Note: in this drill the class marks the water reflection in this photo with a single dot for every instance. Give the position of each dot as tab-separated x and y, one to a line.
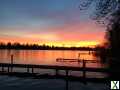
47	57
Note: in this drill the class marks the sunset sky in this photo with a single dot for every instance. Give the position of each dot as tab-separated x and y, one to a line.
52	22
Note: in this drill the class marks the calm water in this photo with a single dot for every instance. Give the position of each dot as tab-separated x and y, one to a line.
47	57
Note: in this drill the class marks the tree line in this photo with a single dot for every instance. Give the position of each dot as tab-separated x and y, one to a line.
17	45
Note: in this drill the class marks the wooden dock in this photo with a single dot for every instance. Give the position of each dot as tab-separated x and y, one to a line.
55	67
30	70
76	60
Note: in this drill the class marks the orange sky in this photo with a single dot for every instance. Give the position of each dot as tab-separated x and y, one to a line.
78	34
51	22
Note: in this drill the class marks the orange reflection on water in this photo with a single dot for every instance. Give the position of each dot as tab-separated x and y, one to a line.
46	57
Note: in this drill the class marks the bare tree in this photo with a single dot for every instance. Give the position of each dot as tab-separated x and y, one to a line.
104	9
107	12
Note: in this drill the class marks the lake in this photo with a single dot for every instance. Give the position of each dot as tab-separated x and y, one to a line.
47	57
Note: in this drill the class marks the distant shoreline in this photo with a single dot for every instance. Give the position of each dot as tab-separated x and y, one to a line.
18	46
51	49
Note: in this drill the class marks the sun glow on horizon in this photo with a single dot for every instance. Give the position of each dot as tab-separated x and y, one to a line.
62	43
72	44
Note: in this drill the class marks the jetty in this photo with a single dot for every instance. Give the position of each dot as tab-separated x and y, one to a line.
29	71
76	60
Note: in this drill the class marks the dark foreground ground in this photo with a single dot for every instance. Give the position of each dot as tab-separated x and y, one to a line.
16	83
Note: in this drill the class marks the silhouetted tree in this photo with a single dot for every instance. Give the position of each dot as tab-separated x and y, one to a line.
108	13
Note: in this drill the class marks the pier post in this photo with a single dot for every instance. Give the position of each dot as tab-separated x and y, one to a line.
66	84
66	72
84	66
84	71
27	70
2	68
8	69
57	72
11	62
32	70
66	80
89	52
